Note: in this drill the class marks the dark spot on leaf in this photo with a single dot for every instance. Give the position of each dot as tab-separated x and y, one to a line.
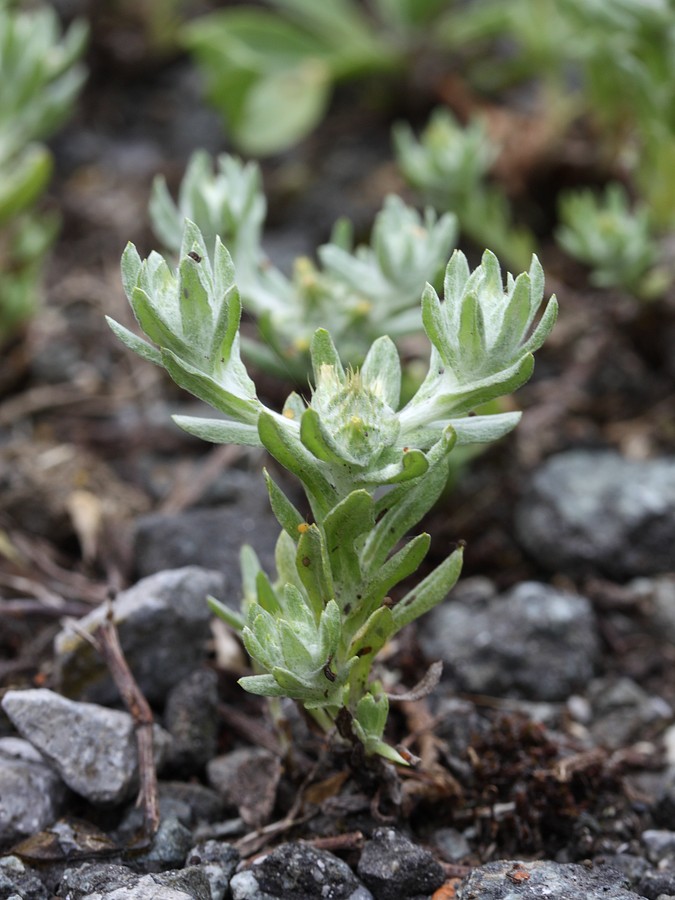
306	561
195	256
364	651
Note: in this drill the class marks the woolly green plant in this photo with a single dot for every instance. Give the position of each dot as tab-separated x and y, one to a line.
370	467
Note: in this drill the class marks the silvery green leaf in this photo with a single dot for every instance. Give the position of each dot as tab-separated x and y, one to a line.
130	266
381	371
193	297
346	522
437	327
234	619
287	450
133	342
296	608
491	273
262	685
412	464
323	353
366	643
391	573
297	655
286	514
317	441
330	630
193	241
515	320
471	337
429	592
219	431
314	569
284	560
440	399
227	306
157	328
206	388
536	274
484	429
482	391
543	329
456	276
295	687
368	723
250	566
371	714
266	598
294	407
260	648
405	505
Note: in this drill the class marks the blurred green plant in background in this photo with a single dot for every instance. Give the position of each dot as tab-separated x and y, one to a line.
610	65
449	167
358	293
271	71
40	78
616	241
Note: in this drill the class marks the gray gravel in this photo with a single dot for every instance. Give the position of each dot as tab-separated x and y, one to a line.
163	625
93	748
596	512
31	792
534	642
508	880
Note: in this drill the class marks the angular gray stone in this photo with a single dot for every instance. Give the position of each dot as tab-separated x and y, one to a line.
394	868
533	642
451	844
509	879
31	792
219	861
247	780
656	884
163	625
210	538
623	712
594	511
299	871
204	804
17	879
92	748
659	592
191	718
169	848
660	846
94	881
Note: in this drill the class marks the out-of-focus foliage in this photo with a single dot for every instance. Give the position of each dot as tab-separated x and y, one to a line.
610	62
358	293
271	71
39	79
449	166
616	241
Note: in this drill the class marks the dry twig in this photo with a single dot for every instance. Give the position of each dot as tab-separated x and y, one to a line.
106	641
